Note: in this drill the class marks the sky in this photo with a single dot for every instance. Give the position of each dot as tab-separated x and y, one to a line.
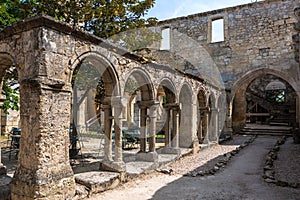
166	9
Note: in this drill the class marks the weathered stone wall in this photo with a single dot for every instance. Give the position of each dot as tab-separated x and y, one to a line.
257	35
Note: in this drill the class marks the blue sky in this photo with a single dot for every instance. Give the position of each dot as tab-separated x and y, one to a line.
166	9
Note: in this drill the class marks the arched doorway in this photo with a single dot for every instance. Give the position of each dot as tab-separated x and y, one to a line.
253	94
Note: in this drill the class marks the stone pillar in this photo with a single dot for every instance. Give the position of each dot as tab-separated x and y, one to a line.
143	128
107	132
152	130
175	133
199	133
167	127
214	128
118	104
206	126
44	170
143	155
2	167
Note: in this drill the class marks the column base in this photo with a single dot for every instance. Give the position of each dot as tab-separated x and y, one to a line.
147	156
112	166
2	170
171	150
196	146
56	183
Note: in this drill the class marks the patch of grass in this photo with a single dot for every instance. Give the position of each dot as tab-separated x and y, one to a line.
3	137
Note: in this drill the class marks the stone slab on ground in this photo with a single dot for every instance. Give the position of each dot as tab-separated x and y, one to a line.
97	181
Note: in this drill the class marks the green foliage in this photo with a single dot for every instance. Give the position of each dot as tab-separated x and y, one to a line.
9	13
10	90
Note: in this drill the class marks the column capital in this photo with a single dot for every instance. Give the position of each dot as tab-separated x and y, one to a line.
119	101
153	110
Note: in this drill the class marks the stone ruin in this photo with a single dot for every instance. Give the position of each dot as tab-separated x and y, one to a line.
209	93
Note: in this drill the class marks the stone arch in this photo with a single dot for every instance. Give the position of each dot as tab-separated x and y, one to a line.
104	67
144	83
238	98
168	85
167	101
102	101
186	116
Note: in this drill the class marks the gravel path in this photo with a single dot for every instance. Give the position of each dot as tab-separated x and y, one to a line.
241	179
288	161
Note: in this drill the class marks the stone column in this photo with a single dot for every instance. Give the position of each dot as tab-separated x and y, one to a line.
143	155
214	128
175	133
118	120
200	136
107	132
143	128
118	104
167	127
2	167
152	130
44	170
206	126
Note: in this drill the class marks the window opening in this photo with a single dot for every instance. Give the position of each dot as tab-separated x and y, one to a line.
165	41
217	30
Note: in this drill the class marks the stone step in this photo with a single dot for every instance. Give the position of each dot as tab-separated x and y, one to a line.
275	131
96	181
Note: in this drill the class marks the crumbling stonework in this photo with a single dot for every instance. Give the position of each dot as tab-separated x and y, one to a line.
257	42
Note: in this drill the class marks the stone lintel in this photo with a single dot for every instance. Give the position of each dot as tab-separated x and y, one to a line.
112	166
147	156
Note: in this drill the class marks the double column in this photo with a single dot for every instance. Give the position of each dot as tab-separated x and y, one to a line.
172	132
148	110
113	112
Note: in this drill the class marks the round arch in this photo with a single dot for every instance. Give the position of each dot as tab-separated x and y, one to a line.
144	83
238	98
169	88
104	67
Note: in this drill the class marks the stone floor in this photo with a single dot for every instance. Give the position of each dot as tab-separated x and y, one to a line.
86	165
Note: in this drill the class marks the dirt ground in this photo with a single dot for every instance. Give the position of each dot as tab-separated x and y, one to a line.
241	179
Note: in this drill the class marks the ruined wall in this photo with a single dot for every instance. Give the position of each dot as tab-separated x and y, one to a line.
257	35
